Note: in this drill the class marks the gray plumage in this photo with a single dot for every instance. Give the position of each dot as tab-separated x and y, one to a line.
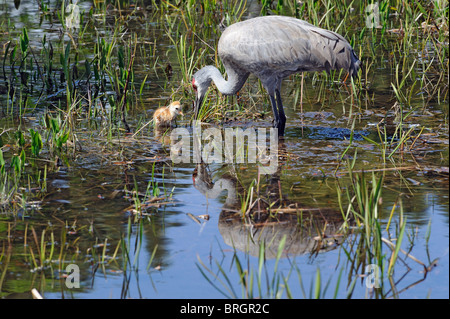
272	48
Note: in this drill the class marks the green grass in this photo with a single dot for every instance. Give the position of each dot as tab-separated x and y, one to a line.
52	89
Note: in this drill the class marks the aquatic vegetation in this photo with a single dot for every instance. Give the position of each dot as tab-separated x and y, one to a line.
76	188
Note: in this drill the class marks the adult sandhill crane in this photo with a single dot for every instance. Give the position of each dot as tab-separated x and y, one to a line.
272	48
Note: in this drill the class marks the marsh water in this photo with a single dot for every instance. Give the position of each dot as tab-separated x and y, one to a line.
139	225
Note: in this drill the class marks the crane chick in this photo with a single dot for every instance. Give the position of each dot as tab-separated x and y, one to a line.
166	114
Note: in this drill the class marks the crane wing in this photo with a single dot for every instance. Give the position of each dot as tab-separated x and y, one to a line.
280	46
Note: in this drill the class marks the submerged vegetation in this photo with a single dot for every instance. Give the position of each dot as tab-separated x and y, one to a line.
76	86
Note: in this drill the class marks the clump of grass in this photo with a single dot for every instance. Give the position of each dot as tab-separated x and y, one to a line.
372	242
152	199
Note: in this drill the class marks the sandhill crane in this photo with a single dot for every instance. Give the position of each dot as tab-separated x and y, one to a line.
272	48
166	114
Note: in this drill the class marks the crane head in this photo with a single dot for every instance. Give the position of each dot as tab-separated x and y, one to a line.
200	83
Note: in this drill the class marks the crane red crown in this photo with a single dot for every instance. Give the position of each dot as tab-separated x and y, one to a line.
193	84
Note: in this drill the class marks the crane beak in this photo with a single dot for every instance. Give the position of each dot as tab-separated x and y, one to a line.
197	105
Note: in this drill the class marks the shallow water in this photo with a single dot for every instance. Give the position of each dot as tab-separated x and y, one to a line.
90	196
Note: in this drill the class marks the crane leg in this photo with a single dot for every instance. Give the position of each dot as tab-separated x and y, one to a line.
276	119
281	115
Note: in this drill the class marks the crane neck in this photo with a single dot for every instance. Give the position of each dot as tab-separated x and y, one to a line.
235	80
221	185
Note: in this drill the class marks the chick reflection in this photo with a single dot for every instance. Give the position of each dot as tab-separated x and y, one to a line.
162	134
269	217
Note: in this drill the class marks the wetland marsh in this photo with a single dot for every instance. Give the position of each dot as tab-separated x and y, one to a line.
357	206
